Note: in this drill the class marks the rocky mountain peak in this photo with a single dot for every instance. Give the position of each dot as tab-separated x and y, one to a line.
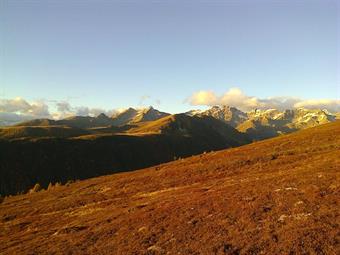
227	114
102	116
132	115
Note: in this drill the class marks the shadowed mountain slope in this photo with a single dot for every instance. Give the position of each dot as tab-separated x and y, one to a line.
205	127
52	154
74	121
278	196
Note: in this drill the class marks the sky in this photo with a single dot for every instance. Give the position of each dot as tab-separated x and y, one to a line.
84	56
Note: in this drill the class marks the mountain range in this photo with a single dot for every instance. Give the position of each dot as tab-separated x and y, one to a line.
125	117
47	151
257	124
262	124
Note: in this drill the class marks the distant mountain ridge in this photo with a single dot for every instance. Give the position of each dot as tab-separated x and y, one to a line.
128	116
132	115
300	117
257	124
262	124
227	114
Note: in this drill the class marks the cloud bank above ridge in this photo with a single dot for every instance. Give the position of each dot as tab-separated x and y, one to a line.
237	98
18	109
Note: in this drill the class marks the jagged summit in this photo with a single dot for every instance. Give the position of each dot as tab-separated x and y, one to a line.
265	123
128	116
230	115
193	112
257	123
102	116
132	115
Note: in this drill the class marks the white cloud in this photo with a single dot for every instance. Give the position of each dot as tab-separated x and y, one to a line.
16	110
329	104
86	111
64	110
19	106
235	97
204	98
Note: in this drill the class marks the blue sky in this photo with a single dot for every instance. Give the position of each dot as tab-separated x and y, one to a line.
114	54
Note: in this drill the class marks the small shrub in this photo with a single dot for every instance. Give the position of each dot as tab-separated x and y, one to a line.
57	184
50	186
69	182
36	188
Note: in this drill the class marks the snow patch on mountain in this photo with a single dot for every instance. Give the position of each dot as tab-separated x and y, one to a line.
269	122
132	115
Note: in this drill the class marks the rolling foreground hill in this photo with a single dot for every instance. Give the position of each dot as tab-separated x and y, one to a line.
50	154
279	196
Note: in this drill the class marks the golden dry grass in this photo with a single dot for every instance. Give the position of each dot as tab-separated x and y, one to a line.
279	196
22	132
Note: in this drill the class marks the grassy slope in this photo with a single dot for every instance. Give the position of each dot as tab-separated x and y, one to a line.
24	163
21	132
277	196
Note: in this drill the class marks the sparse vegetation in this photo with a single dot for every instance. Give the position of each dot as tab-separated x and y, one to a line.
50	186
57	184
214	203
36	188
69	182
